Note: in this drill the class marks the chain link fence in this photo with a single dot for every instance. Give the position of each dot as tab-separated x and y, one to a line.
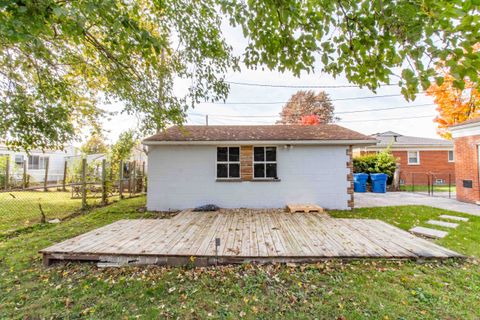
43	195
429	183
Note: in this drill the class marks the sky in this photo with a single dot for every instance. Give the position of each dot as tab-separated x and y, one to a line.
356	114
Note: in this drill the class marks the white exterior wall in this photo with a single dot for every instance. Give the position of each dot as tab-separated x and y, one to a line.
56	162
181	177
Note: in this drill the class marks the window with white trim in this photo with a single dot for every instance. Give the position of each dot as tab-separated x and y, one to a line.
19	159
451	156
413	157
228	162
265	163
37	162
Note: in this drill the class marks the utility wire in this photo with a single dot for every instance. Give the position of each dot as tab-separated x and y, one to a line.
283	102
388	119
349	121
298	86
336	113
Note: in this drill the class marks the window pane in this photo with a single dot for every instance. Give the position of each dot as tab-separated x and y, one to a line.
234	170
271	153
259	170
19	159
259	154
271	170
450	155
234	154
222	170
222	154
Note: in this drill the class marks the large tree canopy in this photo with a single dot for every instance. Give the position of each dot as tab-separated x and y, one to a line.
372	42
59	59
308	107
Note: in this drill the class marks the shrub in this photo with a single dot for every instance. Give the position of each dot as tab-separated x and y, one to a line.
382	162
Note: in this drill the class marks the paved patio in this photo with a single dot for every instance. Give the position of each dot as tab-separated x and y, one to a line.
369	199
244	236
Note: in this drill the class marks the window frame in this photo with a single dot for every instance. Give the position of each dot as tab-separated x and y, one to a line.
453	155
15	159
228	162
418	158
41	160
264	162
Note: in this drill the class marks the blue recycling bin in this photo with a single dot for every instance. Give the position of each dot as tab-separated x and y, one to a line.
379	182
360	182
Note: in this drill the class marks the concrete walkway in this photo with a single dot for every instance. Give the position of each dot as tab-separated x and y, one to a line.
369	199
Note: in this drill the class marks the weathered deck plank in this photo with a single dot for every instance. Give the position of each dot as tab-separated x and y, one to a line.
254	235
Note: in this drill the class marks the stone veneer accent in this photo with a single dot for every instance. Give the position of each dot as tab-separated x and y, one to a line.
351	202
246	163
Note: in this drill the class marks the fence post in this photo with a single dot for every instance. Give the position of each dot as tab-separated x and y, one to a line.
84	183
413	182
428	183
134	178
143	177
449	185
24	182
120	181
45	179
129	178
64	181
432	183
7	173
104	181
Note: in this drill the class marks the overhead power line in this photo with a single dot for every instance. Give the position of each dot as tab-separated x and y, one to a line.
283	102
298	86
388	119
342	121
336	113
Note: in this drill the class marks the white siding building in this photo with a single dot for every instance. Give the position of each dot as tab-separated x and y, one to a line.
36	162
251	166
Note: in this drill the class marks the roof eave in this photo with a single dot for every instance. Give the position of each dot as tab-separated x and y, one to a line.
261	142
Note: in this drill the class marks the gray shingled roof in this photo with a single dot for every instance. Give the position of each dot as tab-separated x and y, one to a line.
397	140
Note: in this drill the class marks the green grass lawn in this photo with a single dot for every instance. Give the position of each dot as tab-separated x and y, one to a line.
329	290
425	188
21	209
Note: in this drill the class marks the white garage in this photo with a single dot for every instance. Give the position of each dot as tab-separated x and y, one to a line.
251	166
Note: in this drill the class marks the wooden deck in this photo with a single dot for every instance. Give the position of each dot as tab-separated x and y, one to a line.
245	236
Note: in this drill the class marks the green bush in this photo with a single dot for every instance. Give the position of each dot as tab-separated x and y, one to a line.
382	162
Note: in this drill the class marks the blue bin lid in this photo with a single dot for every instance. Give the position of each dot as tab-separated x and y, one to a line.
360	175
378	176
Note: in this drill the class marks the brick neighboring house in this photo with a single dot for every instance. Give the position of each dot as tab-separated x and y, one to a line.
466	137
418	157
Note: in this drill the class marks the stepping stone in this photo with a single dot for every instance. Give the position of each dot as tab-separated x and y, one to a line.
446	216
429	233
443	223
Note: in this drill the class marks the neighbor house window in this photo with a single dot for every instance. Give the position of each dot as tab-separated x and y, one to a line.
451	156
228	162
37	162
265	162
19	159
413	157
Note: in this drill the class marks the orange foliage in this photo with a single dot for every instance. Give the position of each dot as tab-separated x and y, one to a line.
310	120
454	105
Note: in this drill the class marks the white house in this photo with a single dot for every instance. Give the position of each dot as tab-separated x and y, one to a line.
36	162
251	166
